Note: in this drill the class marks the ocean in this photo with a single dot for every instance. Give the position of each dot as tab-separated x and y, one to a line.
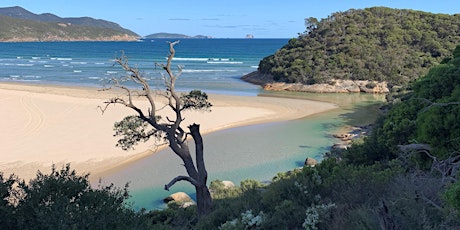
212	65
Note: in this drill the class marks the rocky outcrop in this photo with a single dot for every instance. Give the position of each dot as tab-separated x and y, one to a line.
333	86
310	162
180	198
228	184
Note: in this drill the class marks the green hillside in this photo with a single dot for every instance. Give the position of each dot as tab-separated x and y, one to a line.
376	43
12	29
21	13
18	24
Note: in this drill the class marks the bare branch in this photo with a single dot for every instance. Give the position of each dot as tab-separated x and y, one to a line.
435	103
180	178
141	127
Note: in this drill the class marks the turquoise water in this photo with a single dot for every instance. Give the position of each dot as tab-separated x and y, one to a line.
213	65
251	152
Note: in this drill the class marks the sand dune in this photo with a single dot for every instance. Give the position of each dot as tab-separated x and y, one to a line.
45	125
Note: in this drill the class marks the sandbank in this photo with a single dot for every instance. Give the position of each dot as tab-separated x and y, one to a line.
44	125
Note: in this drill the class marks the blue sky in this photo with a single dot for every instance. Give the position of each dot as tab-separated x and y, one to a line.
218	18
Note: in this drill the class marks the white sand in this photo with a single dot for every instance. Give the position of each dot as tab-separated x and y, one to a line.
45	125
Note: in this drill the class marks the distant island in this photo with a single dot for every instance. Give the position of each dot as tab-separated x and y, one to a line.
19	25
174	35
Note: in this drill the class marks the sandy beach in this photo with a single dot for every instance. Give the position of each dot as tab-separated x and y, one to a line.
44	125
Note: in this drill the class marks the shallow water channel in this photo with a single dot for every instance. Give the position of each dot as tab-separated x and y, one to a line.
250	152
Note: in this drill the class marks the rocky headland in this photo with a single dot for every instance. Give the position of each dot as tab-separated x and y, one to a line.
334	86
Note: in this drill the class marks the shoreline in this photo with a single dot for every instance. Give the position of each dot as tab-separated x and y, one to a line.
48	124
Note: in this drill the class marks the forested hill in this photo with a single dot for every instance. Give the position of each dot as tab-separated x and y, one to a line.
18	24
376	43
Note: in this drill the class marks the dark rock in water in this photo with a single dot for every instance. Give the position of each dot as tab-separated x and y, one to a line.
180	198
310	162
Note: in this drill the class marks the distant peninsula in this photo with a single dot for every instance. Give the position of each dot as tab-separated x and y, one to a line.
173	35
19	25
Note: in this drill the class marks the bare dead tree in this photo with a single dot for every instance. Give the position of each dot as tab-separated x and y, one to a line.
432	104
148	123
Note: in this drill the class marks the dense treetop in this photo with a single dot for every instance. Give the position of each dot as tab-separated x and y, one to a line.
376	43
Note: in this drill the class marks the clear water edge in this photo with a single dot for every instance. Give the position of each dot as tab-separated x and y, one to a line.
242	153
214	66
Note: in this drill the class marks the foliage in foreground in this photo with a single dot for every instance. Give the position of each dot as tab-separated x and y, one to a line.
374	184
65	200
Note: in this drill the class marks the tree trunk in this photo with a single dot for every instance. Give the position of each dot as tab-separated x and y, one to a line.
203	196
203	201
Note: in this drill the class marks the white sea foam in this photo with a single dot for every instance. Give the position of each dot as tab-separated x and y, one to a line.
79	62
32	76
225	62
35	58
77	71
21	64
207	70
190	59
64	59
48	66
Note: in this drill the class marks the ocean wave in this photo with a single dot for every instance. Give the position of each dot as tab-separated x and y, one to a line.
26	80
32	76
79	62
254	66
77	71
207	70
190	59
16	77
225	62
21	64
62	59
48	66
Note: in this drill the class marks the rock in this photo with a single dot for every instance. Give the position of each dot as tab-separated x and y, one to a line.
345	136
187	204
340	146
180	198
228	184
334	86
310	162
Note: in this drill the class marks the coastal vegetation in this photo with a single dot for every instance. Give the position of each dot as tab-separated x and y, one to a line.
378	43
18	24
404	175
